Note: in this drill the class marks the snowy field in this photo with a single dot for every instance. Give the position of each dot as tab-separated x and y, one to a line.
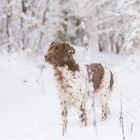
29	107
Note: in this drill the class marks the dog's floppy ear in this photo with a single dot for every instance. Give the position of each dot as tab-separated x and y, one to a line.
72	50
68	48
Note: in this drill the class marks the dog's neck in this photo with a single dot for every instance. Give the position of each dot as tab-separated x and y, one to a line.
71	65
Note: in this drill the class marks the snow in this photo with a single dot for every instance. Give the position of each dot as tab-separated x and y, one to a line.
29	106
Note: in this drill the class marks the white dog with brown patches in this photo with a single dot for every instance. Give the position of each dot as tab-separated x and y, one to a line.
74	82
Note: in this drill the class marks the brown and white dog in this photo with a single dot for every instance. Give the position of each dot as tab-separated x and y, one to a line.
74	82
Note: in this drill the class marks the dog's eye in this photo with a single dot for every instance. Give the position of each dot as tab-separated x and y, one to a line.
56	47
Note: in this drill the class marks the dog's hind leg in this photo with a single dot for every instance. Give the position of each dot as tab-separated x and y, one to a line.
103	97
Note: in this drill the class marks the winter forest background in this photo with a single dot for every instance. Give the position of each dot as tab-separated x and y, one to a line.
102	31
99	25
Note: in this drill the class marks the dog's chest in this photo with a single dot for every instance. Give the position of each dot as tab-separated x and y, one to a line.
74	83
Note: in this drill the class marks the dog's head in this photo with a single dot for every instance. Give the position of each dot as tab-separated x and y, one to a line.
59	53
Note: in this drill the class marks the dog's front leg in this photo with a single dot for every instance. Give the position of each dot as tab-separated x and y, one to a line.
83	115
64	114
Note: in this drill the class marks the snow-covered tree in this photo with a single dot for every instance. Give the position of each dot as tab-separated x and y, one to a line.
98	25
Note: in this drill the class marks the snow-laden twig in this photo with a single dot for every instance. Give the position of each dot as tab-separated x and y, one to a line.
41	75
131	127
121	118
95	119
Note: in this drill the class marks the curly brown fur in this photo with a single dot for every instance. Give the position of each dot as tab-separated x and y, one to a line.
60	54
95	73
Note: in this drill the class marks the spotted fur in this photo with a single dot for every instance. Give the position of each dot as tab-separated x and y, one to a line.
75	82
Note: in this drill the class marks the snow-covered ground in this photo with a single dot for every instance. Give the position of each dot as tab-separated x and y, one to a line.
29	107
